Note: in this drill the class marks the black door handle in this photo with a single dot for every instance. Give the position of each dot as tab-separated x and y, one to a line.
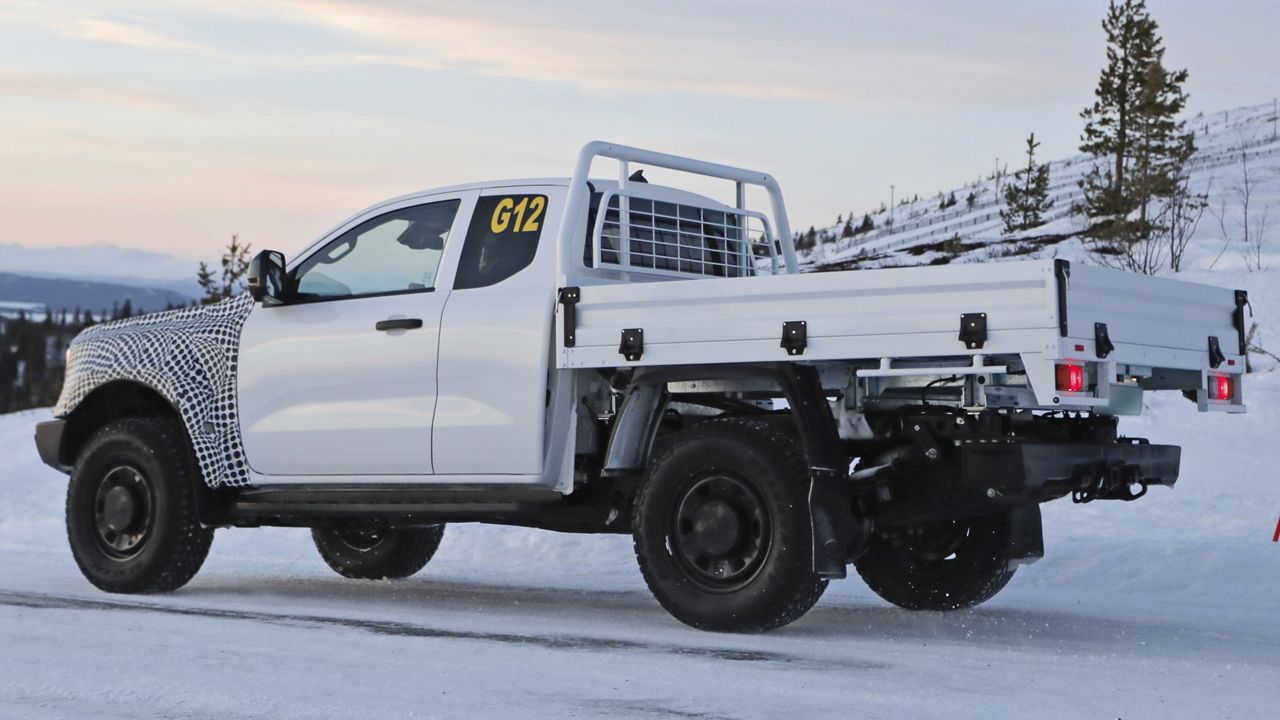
399	324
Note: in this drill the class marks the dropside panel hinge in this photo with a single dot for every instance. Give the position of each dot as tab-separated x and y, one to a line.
632	344
973	330
795	336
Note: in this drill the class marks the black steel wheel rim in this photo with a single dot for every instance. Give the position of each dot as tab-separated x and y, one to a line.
721	532
123	512
932	547
362	539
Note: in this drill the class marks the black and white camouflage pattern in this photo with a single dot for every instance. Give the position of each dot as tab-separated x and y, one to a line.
188	356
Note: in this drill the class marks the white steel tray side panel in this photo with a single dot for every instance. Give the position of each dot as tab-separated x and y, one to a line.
900	312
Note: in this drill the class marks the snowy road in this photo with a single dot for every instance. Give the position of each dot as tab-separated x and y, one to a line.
1163	608
328	648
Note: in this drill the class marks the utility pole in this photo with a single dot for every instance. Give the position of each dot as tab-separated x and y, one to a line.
1274	116
890	208
996	175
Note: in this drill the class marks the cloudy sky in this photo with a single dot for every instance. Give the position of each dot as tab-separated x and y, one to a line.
167	124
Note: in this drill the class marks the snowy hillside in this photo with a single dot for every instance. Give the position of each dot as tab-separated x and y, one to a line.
922	232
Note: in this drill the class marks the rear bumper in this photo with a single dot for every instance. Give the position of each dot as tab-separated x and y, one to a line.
1042	471
49	444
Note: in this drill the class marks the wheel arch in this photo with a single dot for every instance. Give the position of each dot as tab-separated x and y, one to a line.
110	401
635	429
119	399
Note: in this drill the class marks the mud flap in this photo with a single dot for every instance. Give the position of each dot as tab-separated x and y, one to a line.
1026	535
829	499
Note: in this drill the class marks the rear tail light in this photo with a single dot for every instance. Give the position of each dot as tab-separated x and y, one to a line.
1220	388
1071	378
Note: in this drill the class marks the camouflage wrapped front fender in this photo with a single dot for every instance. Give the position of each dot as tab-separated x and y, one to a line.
188	357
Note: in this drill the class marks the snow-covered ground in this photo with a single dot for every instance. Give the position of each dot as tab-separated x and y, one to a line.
1162	608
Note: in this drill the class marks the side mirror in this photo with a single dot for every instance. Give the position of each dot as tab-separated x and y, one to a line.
266	277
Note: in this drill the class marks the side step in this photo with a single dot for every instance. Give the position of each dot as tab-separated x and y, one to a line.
399	505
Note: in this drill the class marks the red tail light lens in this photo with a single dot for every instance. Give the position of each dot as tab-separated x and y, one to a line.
1220	388
1070	378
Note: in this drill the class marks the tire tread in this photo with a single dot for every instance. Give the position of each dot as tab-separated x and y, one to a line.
782	451
414	548
176	565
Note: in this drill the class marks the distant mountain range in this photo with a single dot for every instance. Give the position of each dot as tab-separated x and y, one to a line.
58	293
102	263
93	278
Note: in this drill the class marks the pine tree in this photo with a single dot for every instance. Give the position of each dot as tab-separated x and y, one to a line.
848	229
1027	195
235	265
1133	132
806	240
8	379
204	276
867	224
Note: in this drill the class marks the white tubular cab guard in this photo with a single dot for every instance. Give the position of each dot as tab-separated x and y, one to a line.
578	201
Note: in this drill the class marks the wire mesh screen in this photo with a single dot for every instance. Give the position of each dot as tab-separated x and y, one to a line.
672	238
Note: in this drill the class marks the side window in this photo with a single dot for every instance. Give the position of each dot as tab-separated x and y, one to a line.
502	239
393	253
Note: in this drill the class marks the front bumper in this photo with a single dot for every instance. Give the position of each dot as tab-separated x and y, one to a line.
1036	472
49	444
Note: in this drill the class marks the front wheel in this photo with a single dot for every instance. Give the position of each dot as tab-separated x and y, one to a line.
722	529
378	554
131	508
945	565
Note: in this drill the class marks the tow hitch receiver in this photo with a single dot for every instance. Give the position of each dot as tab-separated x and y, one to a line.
1036	472
1114	482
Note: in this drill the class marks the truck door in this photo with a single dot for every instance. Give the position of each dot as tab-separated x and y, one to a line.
341	380
495	337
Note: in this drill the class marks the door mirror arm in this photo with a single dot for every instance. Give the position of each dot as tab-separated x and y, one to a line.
266	279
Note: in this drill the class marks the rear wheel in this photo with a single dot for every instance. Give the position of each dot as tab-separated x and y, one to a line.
378	554
722	528
945	565
131	513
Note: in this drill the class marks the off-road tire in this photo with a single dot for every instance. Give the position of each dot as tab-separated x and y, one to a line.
976	568
764	470
170	544
378	554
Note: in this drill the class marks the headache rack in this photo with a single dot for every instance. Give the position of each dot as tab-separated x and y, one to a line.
678	239
668	236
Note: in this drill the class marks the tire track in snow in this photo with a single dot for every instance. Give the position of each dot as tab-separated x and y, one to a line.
402	629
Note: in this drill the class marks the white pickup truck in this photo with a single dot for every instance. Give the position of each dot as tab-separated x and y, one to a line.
615	356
